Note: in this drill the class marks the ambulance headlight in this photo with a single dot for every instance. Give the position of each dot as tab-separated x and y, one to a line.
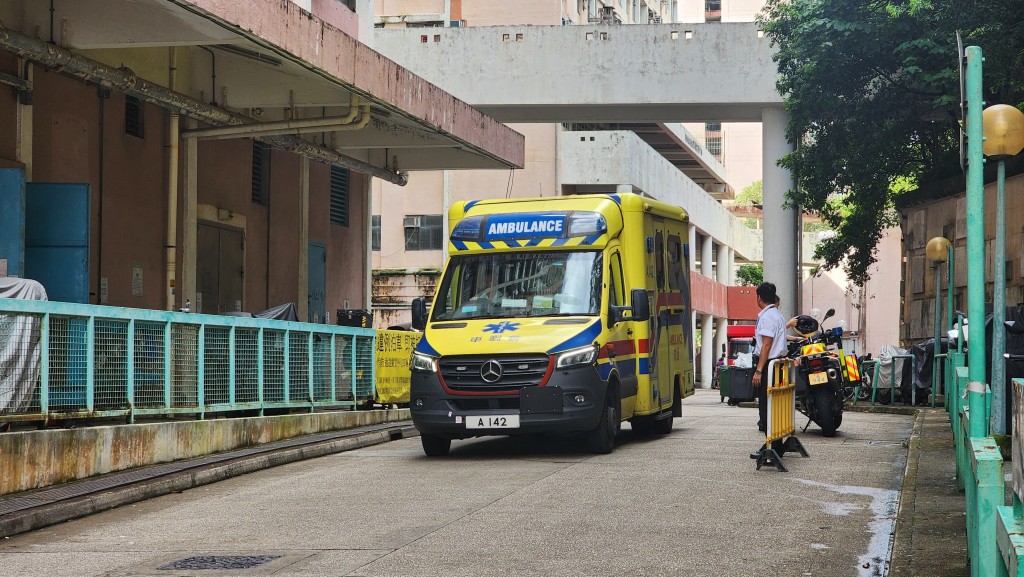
577	357
423	363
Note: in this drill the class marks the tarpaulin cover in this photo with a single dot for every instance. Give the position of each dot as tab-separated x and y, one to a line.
19	347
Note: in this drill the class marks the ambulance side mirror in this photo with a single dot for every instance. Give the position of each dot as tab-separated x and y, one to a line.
419	313
641	305
640	311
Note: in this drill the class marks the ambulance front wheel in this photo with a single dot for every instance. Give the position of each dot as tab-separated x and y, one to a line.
434	446
601	440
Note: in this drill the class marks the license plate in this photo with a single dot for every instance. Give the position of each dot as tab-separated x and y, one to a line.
818	378
492	422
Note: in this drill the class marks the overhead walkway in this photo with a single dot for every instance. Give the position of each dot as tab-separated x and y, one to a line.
657	73
719	72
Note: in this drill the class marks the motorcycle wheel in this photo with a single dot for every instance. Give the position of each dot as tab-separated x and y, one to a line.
865	388
824	412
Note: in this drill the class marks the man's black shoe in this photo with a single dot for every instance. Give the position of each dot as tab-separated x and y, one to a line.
756	454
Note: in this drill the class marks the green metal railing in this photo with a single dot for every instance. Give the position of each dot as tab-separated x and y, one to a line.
995	531
108	361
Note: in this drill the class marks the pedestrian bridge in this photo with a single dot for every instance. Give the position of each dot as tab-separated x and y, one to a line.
715	72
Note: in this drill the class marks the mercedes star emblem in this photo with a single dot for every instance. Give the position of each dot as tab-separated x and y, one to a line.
491	371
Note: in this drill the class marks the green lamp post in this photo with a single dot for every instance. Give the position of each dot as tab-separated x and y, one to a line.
1003	127
937	251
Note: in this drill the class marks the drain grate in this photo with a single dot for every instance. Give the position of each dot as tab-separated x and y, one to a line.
219	562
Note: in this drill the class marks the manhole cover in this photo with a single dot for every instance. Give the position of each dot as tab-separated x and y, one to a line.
219	562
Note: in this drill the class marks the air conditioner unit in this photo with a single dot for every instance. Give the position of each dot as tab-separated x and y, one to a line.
608	14
411	222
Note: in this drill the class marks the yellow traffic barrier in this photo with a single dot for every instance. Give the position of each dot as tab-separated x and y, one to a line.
781	426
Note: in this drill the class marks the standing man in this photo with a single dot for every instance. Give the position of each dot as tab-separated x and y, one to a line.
770	343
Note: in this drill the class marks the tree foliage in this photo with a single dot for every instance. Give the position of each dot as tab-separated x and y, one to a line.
750	274
752	194
872	91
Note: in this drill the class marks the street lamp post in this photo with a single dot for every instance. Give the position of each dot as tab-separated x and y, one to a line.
1003	127
937	251
950	277
978	423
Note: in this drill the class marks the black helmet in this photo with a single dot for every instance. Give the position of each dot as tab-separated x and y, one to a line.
806	325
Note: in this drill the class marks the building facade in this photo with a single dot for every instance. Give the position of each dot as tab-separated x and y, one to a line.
208	155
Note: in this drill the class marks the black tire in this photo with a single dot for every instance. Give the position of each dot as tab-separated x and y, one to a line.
824	412
664	426
601	440
434	446
865	388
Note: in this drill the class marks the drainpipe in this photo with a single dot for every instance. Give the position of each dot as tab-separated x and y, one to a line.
24	123
126	81
357	118
173	136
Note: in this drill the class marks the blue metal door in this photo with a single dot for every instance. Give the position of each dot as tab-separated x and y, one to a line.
12	222
57	239
317	283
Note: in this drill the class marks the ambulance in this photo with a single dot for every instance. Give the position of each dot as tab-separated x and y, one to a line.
562	315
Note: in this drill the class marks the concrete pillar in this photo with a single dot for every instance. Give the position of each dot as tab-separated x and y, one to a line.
720	335
692	251
723	272
706	245
190	222
707	350
731	260
781	226
303	289
693	247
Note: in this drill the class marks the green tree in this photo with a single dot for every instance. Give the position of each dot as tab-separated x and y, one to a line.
750	274
751	194
872	91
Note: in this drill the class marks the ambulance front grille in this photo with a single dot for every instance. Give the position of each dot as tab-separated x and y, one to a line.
517	371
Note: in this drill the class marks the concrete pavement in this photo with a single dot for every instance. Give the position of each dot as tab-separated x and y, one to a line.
687	504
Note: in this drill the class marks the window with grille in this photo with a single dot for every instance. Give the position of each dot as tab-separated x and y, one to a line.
375	232
339	195
260	172
423	232
133	121
713	10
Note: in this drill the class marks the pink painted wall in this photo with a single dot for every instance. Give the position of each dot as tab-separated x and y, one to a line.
338	15
8	111
66	148
708	296
518	13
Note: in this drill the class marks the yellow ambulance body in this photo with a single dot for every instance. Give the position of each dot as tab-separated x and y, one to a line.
566	314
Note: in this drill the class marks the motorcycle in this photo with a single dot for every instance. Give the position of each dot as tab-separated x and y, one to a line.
851	390
822	372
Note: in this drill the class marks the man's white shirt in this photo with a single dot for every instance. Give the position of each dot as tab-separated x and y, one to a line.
771	324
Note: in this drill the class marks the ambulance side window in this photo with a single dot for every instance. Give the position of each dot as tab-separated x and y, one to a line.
675	259
615	286
659	258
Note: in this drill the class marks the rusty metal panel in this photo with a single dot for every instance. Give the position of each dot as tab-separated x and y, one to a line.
917	274
960	266
961	217
916	324
918	229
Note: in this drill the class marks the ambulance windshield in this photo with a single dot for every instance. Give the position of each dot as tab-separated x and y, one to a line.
520	284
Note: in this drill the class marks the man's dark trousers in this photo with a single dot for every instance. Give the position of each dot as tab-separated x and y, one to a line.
762	404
